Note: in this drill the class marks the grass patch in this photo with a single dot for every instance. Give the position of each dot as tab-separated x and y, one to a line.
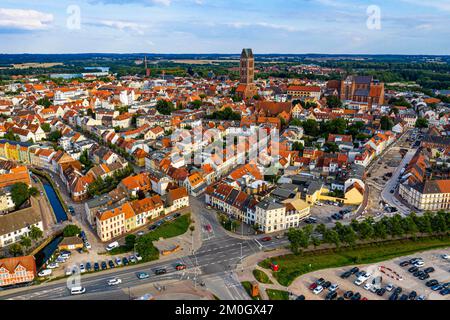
277	294
248	287
293	266
171	229
261	276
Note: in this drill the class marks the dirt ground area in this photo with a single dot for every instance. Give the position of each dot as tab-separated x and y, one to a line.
408	283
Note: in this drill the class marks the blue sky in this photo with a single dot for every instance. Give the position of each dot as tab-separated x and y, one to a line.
224	26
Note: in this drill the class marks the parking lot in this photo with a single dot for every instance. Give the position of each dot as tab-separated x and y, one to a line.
390	272
324	212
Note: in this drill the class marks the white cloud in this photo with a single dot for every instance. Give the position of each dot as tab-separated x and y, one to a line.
239	25
24	19
124	26
443	5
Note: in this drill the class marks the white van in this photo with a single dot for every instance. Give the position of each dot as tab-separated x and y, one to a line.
112	245
77	290
45	273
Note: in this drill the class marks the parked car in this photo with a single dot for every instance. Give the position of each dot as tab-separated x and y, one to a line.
431	283
300	297
445	257
320	281
429	270
140	233
138	256
114	282
112	246
318	290
111	264
88	266
404	263
413	269
118	261
356	296
104	266
424	277
394	296
96	266
404	297
132	259
444	292
152	227
87	245
333	287
326	284
266	239
346	275
45	273
389	287
412	295
82	268
331	295
348	294
381	292
53	265
125	261
398	290
354	270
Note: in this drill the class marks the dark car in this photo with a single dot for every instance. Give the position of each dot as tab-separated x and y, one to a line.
356	296
354	270
104	266
265	239
340	298
380	292
346	274
424	277
412	295
431	283
326	284
404	297
300	297
331	295
417	274
111	264
429	270
348	294
96	266
88	266
160	271
176	215
320	281
444	292
413	269
152	227
125	261
393	296
398	290
404	263
82	235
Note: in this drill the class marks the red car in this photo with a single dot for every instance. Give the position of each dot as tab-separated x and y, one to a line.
265	239
313	286
208	228
364	298
180	267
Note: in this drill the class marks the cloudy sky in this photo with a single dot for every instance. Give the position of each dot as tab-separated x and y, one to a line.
226	26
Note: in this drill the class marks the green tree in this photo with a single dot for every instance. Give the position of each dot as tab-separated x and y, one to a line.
71	230
334	102
25	241
46	127
386	123
165	107
130	241
311	127
35	233
19	194
331	147
422	123
54	136
45	101
15	249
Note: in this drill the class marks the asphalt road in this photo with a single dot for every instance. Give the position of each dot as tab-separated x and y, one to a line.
213	263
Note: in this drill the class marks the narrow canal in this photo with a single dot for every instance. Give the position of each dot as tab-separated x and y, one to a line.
43	255
58	209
